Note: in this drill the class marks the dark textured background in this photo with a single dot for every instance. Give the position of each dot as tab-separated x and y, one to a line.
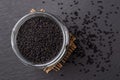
96	25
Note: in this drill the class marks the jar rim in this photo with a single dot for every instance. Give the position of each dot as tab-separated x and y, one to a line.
61	53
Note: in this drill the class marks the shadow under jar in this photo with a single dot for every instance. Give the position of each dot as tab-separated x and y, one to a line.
41	40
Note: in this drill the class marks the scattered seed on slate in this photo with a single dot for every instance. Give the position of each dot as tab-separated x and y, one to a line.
43	2
95	35
76	13
112	5
92	3
117	75
61	75
94	75
71	5
61	8
39	39
116	12
99	1
117	8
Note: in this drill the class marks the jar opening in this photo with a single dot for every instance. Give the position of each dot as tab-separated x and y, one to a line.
39	39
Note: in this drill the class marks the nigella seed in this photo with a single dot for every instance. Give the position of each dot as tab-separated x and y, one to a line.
76	13
43	2
99	1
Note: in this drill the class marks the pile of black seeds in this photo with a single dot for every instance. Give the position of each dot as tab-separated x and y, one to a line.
39	39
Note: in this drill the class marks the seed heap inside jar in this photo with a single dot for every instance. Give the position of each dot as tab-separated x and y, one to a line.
39	40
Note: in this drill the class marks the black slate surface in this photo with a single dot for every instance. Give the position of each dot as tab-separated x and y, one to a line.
96	25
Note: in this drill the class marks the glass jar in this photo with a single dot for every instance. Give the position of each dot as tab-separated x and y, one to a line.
65	44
